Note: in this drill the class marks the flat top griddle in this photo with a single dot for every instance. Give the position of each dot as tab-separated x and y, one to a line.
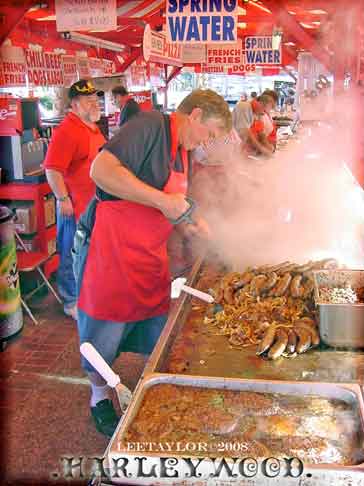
189	346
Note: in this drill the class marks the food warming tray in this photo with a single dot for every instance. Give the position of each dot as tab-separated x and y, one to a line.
312	475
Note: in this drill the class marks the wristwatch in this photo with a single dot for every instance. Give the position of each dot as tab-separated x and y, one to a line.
62	199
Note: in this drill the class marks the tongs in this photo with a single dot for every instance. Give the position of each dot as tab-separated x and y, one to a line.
111	378
186	216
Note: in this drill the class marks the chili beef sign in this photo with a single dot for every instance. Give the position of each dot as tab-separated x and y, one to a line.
12	66
44	68
70	74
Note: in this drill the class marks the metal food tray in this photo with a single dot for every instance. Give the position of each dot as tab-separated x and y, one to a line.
340	325
312	475
211	355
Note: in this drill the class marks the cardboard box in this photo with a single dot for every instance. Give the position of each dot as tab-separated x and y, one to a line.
49	210
25	217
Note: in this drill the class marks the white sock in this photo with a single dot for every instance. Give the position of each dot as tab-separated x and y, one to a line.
98	393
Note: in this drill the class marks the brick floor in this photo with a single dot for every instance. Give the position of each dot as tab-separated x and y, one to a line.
43	416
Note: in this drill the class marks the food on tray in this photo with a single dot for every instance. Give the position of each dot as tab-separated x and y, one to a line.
314	428
341	295
270	306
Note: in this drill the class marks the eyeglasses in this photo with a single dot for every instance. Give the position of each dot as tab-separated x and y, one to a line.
215	142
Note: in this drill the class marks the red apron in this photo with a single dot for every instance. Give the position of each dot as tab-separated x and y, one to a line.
127	272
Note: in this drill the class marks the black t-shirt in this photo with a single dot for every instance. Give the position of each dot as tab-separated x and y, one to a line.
130	109
143	145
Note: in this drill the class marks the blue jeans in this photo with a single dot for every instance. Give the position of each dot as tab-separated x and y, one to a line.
66	228
111	338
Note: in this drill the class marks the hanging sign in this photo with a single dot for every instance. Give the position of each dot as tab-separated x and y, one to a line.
96	67
193	53
83	15
156	75
259	51
202	21
109	67
227	58
44	68
157	49
83	67
13	66
69	66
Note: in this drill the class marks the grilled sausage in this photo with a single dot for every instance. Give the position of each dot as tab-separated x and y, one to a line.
272	279
304	340
295	287
308	287
246	278
279	345
315	337
267	340
282	285
304	268
287	269
229	295
257	284
305	320
291	342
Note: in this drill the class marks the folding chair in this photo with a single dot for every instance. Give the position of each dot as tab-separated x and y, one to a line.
28	262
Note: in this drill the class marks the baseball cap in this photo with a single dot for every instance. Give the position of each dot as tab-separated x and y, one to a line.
83	87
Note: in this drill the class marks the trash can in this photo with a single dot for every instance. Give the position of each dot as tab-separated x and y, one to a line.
11	315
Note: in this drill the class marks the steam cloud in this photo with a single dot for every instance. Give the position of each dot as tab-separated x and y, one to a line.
304	204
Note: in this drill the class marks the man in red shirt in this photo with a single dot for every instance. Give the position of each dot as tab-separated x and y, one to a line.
74	145
248	122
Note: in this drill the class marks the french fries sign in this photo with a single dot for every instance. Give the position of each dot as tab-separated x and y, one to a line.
202	21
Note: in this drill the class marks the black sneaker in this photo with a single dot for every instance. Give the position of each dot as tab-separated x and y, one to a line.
105	417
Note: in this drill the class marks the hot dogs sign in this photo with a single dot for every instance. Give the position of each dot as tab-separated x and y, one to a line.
242	58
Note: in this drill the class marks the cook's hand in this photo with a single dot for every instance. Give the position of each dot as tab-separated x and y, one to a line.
199	229
174	206
65	207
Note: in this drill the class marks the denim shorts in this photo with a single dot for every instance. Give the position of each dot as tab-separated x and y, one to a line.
111	338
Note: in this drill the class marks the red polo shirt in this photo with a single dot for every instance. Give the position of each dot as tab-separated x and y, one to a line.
73	147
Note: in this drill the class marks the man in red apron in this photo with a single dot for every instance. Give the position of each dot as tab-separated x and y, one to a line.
270	128
142	179
74	145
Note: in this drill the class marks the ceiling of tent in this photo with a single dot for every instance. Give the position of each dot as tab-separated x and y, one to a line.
308	22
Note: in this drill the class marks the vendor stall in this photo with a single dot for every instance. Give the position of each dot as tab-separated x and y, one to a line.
264	385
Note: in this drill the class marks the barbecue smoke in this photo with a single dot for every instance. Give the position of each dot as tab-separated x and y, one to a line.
303	204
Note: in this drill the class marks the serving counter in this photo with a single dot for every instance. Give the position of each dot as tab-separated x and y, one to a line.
190	355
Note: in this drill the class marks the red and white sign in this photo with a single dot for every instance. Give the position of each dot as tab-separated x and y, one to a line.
86	15
44	68
83	67
194	53
109	67
157	49
144	99
96	67
13	66
70	74
137	74
228	59
156	75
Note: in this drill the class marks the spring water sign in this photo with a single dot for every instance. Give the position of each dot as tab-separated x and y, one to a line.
259	51
202	21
